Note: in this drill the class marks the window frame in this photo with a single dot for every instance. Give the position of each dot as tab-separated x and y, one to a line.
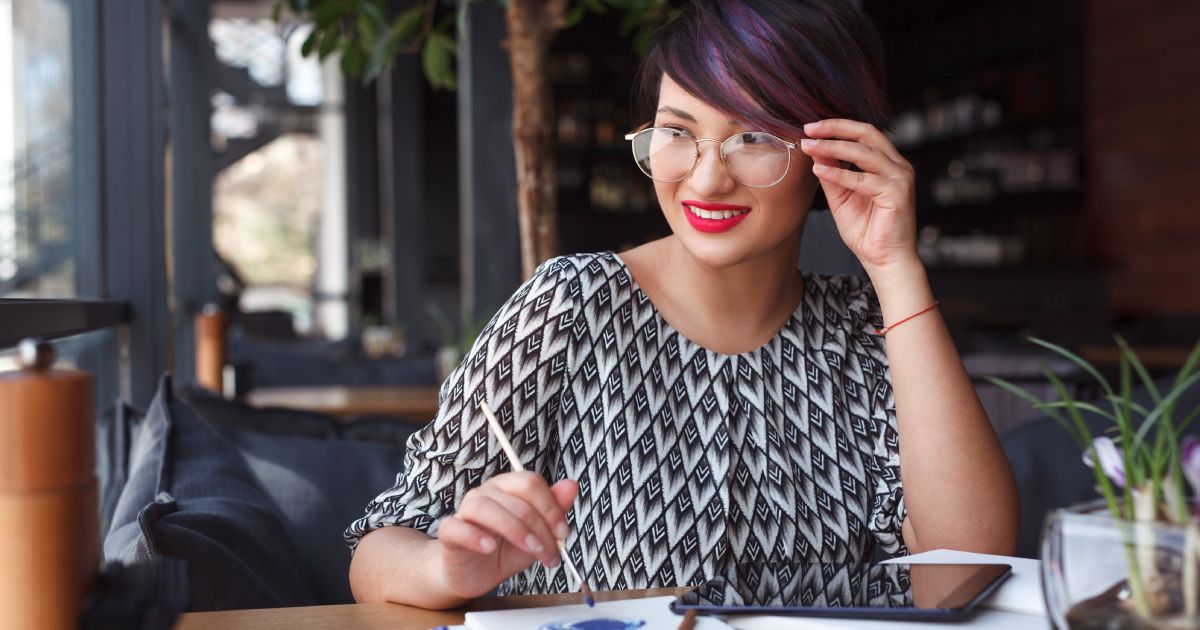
120	205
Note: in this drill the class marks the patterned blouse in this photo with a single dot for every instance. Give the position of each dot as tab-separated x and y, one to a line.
688	461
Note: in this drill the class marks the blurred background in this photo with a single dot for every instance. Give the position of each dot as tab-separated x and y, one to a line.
355	234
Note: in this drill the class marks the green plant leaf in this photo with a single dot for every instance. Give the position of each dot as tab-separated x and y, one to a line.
1168	400
1076	359
575	15
1188	420
353	60
1132	405
1134	361
1189	364
378	60
1106	487
367	33
328	13
311	42
435	59
405	26
1038	403
1081	405
373	14
329	43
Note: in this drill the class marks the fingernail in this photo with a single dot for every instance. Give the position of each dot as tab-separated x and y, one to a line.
554	561
532	544
487	545
820	168
562	530
811	126
808	142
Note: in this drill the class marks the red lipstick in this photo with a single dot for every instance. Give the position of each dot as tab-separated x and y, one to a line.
713	225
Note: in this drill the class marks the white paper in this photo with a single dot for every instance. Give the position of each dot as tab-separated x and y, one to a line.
654	611
982	620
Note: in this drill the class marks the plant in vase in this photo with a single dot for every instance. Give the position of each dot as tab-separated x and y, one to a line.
454	345
1130	560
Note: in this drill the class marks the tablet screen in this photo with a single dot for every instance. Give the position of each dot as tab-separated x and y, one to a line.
922	590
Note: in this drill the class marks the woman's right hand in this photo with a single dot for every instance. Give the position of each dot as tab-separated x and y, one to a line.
500	528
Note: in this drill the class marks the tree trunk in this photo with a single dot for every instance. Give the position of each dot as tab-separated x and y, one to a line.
532	25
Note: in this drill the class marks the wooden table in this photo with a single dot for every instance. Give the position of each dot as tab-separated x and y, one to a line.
418	403
391	616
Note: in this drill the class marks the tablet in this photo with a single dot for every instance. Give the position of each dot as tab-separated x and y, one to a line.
929	592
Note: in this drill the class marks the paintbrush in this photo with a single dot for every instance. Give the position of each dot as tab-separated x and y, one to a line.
516	465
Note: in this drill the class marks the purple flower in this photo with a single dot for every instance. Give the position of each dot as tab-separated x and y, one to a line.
1111	461
1189	461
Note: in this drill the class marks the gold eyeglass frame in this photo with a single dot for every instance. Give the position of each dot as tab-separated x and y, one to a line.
721	152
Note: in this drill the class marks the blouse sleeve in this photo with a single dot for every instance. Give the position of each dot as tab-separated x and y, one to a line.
516	365
887	507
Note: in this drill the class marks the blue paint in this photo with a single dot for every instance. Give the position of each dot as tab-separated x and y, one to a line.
590	602
595	624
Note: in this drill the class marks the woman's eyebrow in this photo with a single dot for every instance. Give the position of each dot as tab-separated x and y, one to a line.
667	109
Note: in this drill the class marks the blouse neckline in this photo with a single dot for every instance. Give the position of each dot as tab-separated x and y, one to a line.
794	318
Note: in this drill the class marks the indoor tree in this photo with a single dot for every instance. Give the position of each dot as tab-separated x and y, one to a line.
370	33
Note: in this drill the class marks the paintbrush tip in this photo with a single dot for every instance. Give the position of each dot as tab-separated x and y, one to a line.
587	595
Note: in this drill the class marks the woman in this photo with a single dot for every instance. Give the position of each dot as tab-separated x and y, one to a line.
696	401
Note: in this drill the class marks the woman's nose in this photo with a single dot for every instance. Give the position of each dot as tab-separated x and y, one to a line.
711	177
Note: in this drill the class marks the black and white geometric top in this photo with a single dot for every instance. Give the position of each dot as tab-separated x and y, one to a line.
688	460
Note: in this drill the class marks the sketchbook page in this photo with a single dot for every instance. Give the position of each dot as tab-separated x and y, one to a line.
982	620
1022	592
653	611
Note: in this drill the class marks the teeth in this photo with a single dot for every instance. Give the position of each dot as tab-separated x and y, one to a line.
716	214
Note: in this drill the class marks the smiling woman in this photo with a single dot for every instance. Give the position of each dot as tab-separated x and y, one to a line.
696	400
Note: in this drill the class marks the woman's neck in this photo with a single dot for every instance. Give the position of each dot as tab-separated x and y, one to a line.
729	309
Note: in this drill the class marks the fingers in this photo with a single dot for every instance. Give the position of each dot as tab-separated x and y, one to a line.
532	488
866	157
858	132
540	541
565	491
512	519
457	532
865	183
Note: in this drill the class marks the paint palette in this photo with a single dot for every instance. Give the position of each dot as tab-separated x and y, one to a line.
602	623
649	613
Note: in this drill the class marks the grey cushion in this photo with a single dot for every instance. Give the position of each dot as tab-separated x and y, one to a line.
190	495
319	479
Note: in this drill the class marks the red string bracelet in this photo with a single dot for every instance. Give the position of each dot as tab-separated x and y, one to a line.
883	331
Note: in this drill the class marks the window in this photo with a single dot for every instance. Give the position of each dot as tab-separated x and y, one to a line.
278	196
38	233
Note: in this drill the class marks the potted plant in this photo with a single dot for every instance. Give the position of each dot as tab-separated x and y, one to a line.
455	345
1131	559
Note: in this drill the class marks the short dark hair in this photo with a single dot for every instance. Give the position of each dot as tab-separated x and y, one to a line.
798	61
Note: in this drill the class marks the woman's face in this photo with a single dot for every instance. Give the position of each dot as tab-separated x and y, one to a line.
775	215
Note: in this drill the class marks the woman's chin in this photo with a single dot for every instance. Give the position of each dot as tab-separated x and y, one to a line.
715	252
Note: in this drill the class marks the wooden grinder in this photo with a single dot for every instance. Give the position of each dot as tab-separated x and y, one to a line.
49	532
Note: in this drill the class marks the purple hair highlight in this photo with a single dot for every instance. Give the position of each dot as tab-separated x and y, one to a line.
773	64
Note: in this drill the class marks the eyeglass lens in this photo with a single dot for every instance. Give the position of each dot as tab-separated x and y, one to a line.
753	158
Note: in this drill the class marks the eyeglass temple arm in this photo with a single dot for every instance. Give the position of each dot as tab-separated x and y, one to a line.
641	128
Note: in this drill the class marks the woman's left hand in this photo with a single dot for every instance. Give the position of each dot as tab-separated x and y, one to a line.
875	210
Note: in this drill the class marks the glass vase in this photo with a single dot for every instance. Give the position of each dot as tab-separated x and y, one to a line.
1103	572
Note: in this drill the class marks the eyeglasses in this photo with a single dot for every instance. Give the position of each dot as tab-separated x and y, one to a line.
755	159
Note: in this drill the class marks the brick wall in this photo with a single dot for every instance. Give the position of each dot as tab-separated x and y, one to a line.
1143	151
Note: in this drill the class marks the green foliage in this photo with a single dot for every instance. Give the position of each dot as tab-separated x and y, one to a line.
1147	466
369	39
452	339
